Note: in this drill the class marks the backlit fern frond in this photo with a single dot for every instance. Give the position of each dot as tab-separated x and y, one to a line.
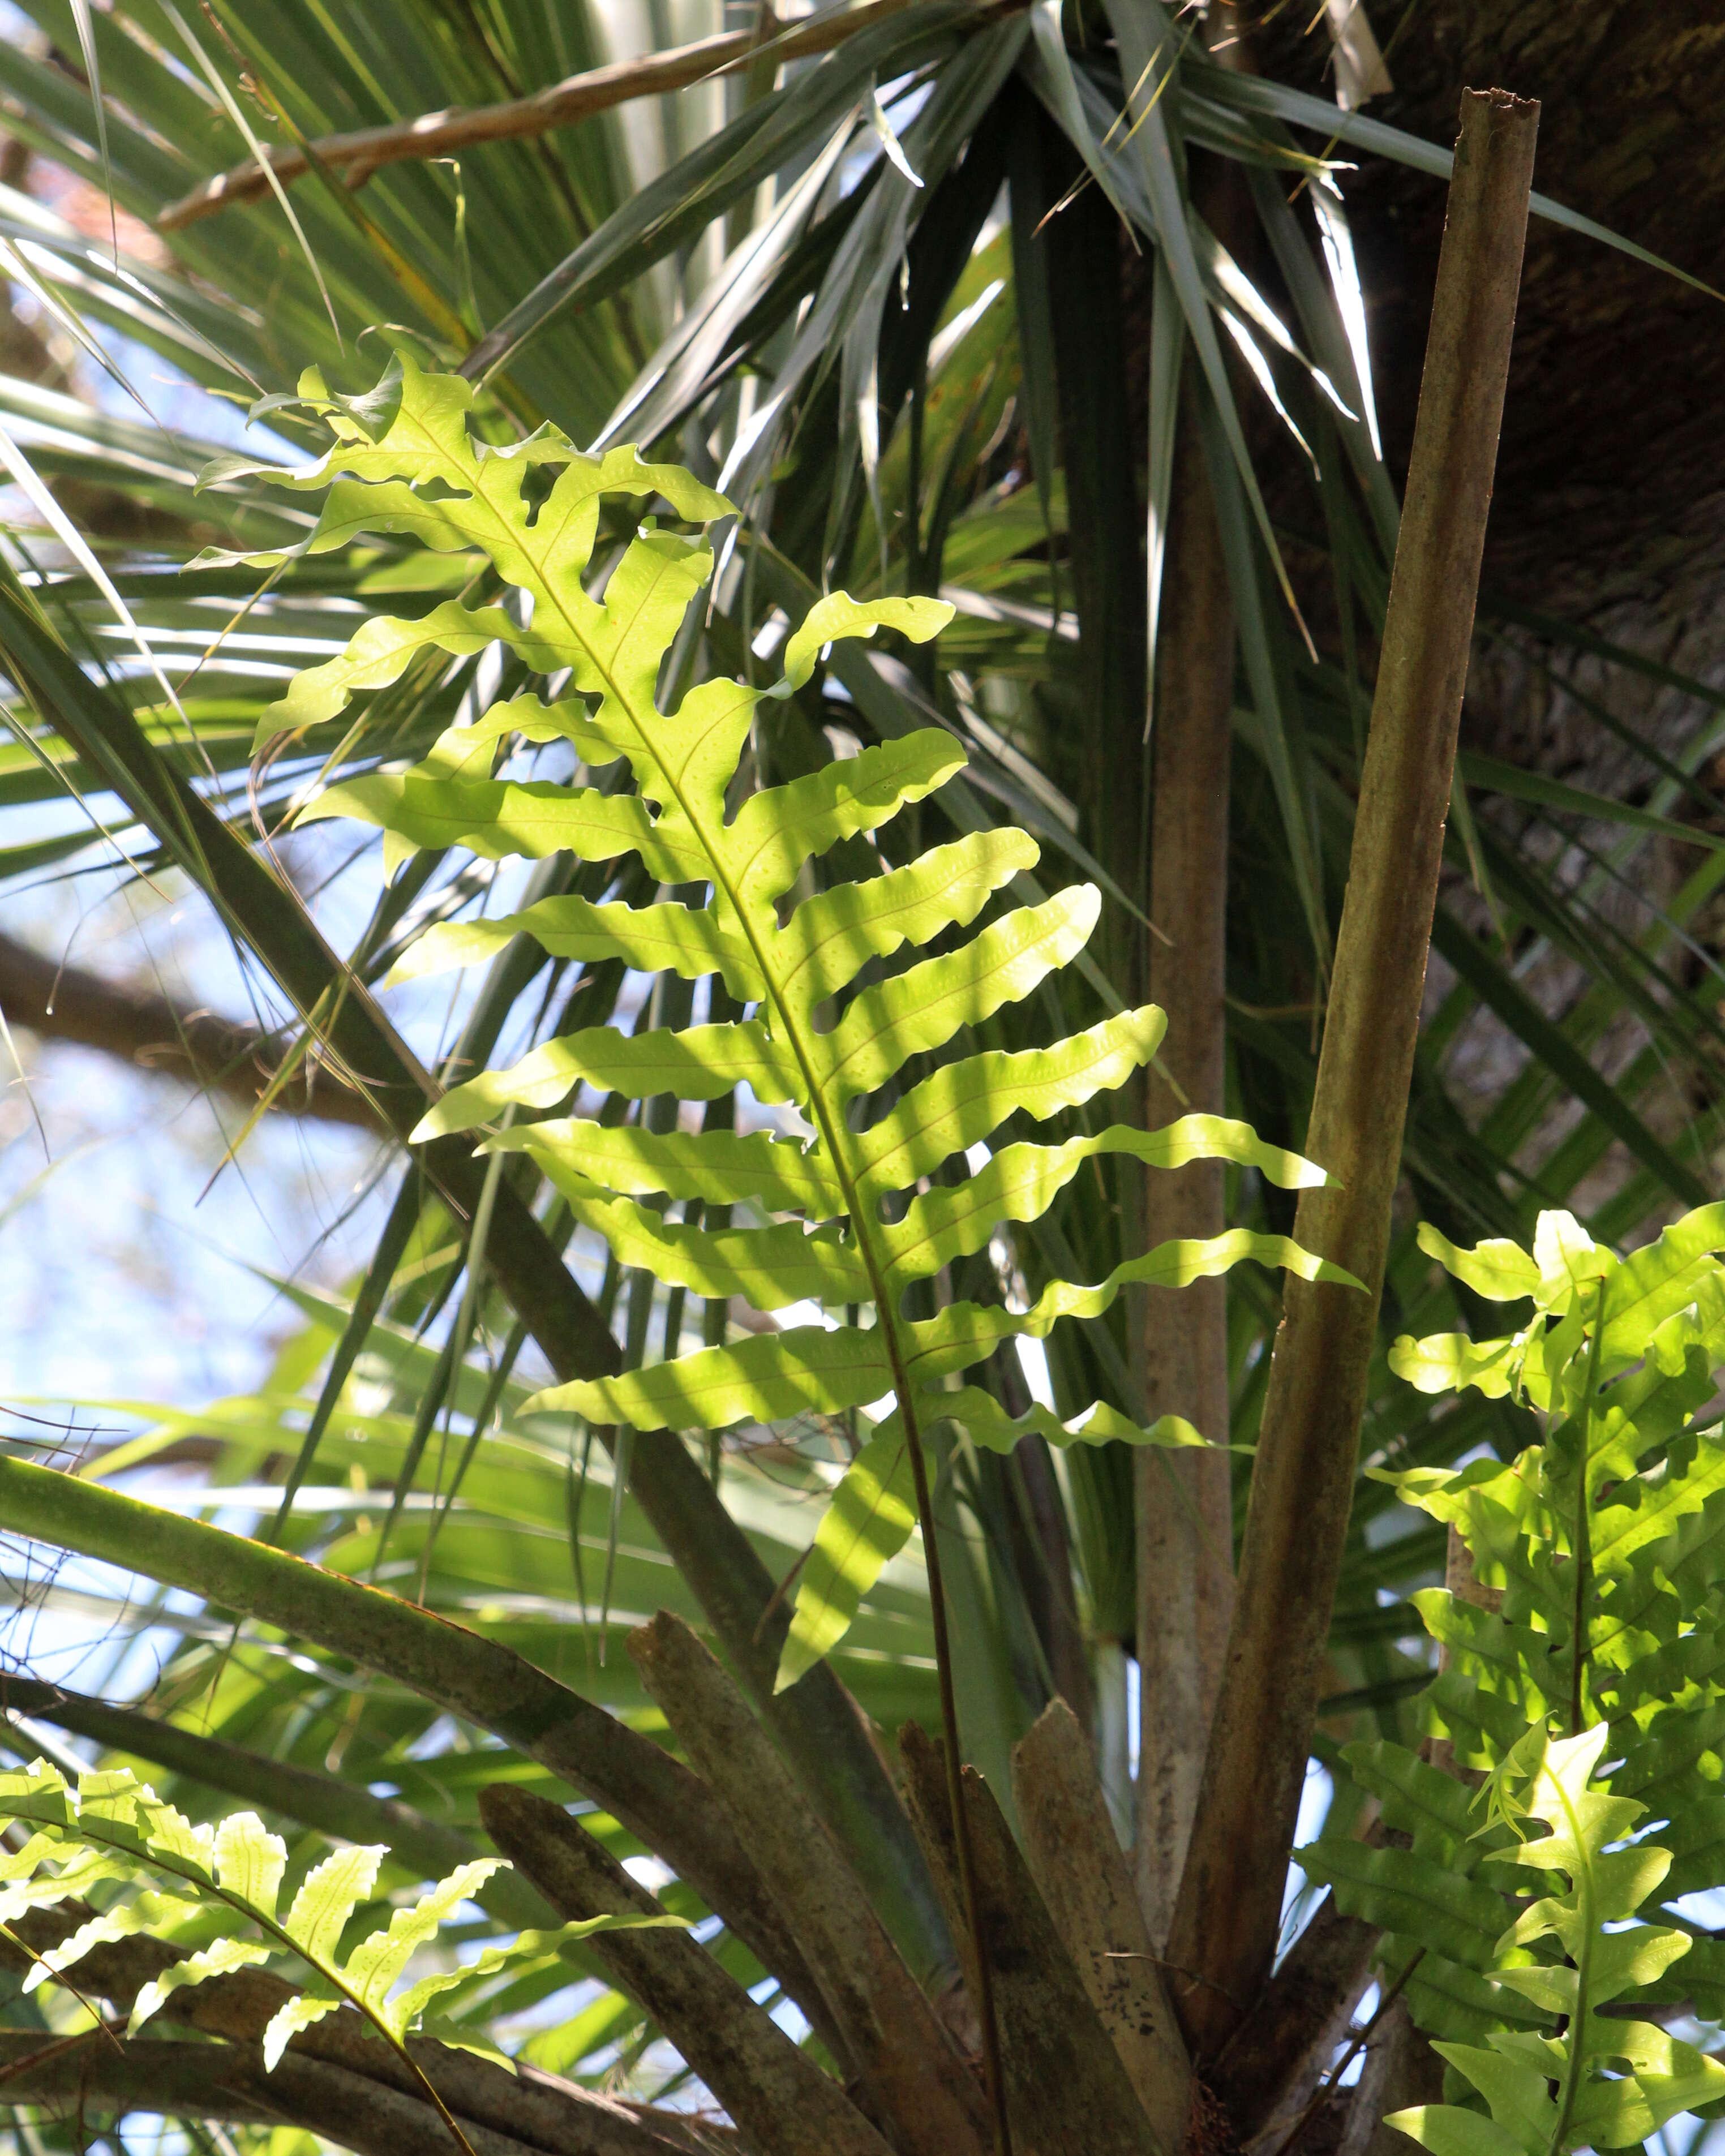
155	1869
827	1025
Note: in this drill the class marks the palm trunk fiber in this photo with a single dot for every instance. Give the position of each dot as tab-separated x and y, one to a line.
1229	1907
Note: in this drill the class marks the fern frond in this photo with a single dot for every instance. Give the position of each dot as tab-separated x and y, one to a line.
663	938
837	1002
147	1914
1605	1545
1442	1924
870	1518
873	1511
372	1970
721	1167
410	2007
1549	2093
113	1828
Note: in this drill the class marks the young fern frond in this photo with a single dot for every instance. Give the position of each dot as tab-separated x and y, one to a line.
1545	2092
1587	1683
825	1027
114	1832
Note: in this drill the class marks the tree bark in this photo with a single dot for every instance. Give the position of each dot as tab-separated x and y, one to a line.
1619	370
1069	2092
142	1027
1412	2073
1269	2068
227	2084
1082	1872
882	2024
1609	423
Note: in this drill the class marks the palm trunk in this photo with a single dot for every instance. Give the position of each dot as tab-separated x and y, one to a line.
1185	1501
1185	1544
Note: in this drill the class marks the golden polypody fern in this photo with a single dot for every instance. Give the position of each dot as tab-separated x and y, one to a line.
1585	1677
863	1203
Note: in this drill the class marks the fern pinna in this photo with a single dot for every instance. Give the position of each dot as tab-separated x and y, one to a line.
1583	1677
862	1204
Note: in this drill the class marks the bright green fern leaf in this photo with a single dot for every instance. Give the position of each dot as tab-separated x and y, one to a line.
873	1511
836	1004
113	1831
328	1897
1586	1684
1602	2083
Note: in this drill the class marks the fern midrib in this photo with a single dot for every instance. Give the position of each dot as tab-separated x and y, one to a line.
1577	2063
